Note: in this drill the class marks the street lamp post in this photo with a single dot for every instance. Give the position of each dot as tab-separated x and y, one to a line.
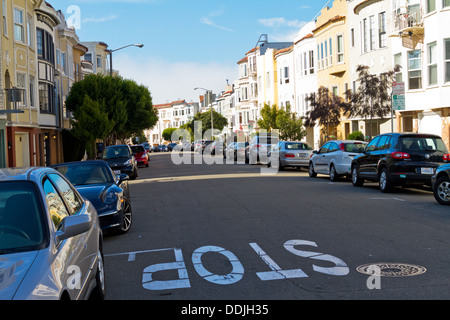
208	101
111	52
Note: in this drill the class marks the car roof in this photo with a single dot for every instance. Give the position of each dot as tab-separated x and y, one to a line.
73	163
22	174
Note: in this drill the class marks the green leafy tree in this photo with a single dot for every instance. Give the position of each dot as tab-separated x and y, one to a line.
167	133
290	126
126	106
220	122
268	120
92	123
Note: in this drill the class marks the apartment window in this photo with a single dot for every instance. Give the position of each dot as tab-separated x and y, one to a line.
286	74
431	6
447	59
30	32
445	3
340	48
64	62
305	62
372	32
335	91
398	62
382	31
88	57
352	37
311	62
32	100
415	69
19	29
5	18
365	36
99	61
331	52
46	97
432	64
45	45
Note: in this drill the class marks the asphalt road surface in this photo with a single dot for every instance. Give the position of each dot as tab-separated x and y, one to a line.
227	232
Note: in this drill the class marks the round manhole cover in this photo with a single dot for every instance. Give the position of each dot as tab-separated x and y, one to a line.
391	269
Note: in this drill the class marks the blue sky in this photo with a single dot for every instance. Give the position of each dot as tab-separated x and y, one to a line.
187	44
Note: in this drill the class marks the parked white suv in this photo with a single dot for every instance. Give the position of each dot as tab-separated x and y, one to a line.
335	157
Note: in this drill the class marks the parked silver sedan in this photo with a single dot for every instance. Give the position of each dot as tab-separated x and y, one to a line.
335	157
290	154
50	238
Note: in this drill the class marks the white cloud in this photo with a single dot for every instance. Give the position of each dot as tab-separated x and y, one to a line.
171	81
208	20
100	19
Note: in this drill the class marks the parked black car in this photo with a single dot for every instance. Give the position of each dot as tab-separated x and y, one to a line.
441	183
399	159
109	194
121	160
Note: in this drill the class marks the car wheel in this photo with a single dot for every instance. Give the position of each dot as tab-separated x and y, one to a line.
99	292
333	174
312	173
127	217
280	166
385	182
442	191
356	180
135	174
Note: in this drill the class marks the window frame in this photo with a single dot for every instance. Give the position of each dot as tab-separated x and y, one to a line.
19	24
432	63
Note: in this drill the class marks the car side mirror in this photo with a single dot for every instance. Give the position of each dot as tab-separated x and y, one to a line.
315	152
72	226
122	177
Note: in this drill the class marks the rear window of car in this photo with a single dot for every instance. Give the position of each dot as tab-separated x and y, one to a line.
355	147
137	149
116	152
21	219
422	143
297	146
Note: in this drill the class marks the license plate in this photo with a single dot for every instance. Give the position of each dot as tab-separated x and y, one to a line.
302	155
116	172
426	170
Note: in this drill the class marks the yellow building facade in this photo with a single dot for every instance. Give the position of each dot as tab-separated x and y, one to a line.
332	58
40	61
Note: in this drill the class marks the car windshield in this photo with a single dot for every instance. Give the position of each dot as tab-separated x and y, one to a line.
21	221
297	146
241	145
116	152
422	143
137	149
87	174
355	147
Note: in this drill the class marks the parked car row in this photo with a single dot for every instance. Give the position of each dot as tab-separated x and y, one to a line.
52	219
392	159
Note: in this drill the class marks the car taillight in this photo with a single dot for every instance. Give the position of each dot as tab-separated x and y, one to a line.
258	146
446	157
289	155
400	155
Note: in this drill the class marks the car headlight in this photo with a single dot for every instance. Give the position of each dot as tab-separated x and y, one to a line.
109	197
128	162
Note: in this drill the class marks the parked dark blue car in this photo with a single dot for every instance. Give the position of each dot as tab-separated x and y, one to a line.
109	194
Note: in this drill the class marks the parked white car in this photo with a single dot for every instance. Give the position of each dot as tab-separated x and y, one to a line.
335	157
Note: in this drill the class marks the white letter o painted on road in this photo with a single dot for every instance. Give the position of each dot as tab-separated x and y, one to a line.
234	276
